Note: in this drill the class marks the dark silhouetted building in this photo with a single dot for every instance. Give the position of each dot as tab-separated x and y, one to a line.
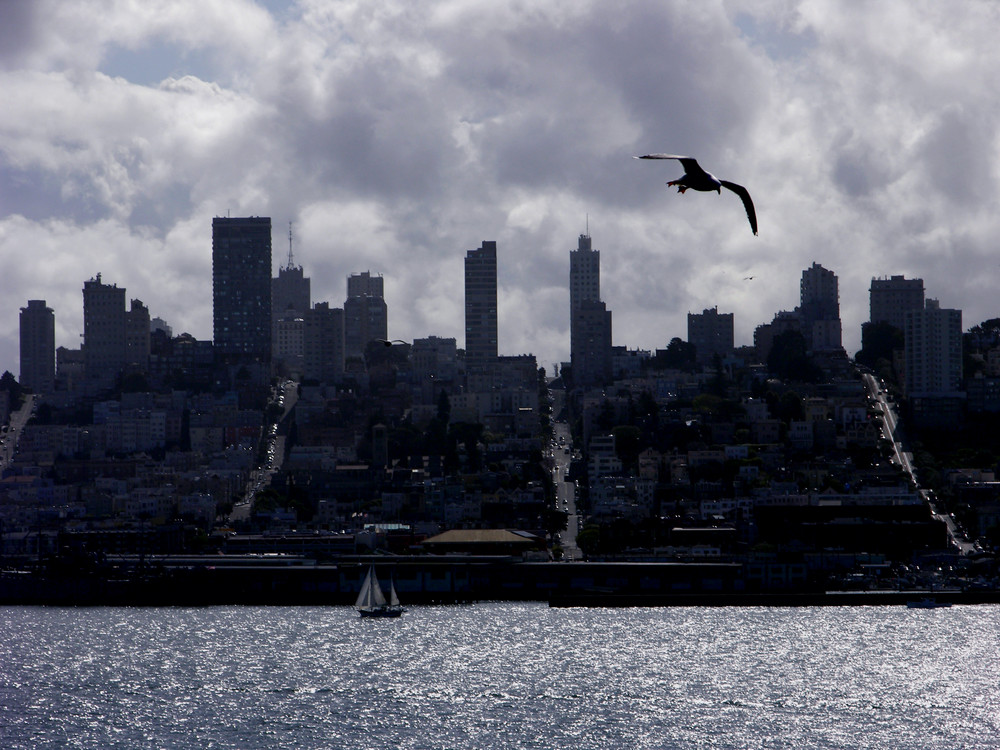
104	331
481	308
290	300
137	331
711	333
38	347
241	288
366	316
323	343
890	299
589	319
819	309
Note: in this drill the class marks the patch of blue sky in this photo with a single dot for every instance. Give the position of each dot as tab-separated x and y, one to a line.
779	43
156	62
280	10
160	59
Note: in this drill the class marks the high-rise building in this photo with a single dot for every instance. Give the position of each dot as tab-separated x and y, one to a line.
290	302
241	288
159	324
288	344
366	316
481	308
589	319
365	285
290	296
584	273
38	347
323	343
890	299
290	292
711	333
434	365
181	362
591	345
104	330
765	334
819	309
137	331
933	342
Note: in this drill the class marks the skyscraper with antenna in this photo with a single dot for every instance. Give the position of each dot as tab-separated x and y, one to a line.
290	301
291	261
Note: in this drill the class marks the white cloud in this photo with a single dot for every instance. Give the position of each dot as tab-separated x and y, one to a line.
399	135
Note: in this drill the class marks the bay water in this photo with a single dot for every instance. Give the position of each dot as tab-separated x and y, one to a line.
500	675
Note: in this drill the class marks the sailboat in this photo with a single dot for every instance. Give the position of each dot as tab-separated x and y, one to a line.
371	600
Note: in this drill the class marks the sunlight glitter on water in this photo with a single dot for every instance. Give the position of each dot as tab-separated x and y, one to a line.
499	675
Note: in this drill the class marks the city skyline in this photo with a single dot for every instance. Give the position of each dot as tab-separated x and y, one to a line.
395	138
818	288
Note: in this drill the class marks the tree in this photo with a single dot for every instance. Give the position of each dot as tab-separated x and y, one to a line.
719	382
554	521
606	417
443	407
9	383
647	408
707	403
469	434
679	355
991	326
789	359
878	341
589	539
268	499
790	407
627	444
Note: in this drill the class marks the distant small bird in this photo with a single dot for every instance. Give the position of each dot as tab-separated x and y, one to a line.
697	178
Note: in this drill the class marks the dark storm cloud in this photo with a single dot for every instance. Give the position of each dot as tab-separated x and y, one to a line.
960	156
20	28
858	168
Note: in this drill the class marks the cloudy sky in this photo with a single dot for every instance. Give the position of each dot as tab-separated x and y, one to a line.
396	135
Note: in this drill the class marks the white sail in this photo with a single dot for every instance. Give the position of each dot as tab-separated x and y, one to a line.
393	599
371	594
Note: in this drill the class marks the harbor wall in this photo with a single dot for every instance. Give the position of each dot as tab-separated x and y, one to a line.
427	580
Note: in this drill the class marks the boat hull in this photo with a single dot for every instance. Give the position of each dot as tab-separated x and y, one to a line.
926	604
381	612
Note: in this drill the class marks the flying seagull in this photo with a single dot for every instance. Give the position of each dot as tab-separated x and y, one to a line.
697	178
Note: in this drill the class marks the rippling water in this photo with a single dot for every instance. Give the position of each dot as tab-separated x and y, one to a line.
497	675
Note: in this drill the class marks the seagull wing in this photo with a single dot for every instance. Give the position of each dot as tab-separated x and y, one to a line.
747	203
689	163
661	156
